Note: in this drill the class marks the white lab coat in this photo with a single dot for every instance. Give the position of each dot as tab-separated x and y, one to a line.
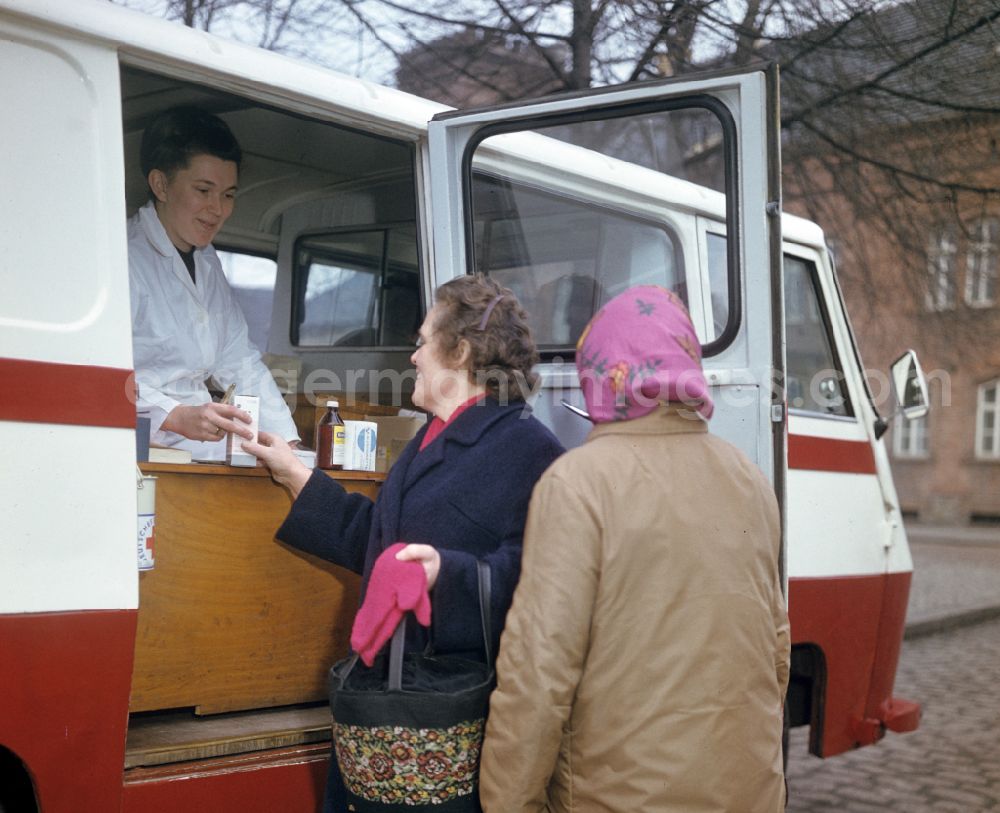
183	334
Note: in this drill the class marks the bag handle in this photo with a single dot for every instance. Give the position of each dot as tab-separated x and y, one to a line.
485	578
485	608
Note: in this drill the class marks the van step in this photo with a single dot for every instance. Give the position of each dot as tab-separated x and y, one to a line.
179	736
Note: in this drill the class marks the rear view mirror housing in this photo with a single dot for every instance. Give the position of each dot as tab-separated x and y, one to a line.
909	386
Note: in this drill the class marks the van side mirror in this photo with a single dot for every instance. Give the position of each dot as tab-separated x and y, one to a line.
909	386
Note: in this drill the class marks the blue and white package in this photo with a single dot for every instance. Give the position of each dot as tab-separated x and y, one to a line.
360	440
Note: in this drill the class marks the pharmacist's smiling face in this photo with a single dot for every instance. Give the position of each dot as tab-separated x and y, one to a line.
193	203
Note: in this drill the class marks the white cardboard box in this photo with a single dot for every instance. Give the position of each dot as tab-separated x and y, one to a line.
235	456
360	442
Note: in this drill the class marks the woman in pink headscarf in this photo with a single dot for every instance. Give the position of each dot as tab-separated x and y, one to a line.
645	658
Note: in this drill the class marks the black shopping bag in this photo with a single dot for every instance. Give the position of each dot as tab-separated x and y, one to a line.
408	737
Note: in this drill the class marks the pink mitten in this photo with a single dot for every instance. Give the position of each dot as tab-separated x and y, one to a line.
394	588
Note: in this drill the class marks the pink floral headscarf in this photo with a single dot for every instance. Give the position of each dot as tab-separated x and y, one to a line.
638	351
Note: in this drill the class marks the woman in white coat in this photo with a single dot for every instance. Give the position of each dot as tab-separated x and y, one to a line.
187	327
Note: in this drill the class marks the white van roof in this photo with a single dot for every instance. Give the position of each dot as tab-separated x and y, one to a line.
152	43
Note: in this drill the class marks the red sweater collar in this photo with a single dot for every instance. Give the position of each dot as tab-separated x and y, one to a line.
437	426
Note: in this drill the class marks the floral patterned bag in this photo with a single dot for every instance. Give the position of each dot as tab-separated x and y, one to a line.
408	738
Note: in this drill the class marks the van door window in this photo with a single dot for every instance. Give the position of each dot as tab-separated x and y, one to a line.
252	280
568	210
814	377
521	241
356	289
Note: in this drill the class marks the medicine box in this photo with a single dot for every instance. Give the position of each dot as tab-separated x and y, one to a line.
235	456
360	441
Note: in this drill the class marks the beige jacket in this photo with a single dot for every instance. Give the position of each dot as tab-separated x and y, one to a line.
645	657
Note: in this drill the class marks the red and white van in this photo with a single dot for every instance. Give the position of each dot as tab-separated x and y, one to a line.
356	201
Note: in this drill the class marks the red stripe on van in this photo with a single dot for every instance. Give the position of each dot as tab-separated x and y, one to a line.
77	394
827	454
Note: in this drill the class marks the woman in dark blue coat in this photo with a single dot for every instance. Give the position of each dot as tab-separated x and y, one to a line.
459	492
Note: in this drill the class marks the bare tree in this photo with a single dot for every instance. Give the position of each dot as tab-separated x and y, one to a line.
891	112
328	32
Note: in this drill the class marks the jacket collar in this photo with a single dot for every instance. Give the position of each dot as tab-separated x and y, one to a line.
468	427
154	231
465	430
666	419
158	239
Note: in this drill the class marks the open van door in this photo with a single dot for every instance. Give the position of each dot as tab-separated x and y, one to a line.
568	200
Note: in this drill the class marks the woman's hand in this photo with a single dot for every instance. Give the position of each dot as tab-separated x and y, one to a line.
208	422
278	456
427	556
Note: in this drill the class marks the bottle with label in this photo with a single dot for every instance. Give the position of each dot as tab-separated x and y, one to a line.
330	449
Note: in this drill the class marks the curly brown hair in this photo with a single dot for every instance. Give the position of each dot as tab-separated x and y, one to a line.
502	351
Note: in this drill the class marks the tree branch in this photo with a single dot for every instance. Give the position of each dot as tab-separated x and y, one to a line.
876	81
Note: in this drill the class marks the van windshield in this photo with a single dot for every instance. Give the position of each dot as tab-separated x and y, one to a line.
569	213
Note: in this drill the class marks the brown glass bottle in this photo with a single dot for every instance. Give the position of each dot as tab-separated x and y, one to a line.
330	449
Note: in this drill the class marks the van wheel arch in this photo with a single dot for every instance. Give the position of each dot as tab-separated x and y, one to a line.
805	700
17	790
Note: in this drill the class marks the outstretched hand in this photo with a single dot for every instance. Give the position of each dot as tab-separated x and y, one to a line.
427	556
278	456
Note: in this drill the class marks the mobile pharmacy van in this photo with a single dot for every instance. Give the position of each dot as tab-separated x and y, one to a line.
200	684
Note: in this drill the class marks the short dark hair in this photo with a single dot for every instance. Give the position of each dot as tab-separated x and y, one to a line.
490	318
179	134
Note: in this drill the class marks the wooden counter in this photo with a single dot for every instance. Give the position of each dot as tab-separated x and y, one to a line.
229	618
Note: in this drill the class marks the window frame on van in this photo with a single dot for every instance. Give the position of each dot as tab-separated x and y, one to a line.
550	351
731	192
825	325
298	283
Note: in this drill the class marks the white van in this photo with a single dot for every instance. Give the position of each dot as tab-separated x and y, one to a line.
200	684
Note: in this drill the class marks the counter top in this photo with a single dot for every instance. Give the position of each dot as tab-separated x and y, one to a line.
242	471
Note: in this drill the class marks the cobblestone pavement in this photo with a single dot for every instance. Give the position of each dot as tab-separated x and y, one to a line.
951	764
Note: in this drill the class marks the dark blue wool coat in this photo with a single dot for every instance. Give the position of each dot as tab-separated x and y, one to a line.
466	494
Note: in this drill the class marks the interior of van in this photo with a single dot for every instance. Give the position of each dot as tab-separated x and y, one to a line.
322	253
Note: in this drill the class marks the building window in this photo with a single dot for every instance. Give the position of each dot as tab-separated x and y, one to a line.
941	254
988	421
909	438
981	266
